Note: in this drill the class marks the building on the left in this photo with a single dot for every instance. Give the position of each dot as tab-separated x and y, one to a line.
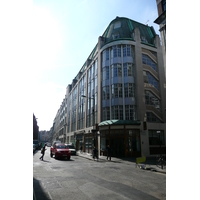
35	128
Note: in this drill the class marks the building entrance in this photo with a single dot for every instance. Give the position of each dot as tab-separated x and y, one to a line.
123	143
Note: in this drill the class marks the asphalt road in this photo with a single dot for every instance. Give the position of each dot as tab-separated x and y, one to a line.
84	179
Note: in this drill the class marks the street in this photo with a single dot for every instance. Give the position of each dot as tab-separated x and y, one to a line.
84	179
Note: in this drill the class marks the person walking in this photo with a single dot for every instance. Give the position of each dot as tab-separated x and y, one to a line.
108	152
43	151
95	153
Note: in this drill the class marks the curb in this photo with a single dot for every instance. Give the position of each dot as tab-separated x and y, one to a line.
89	157
151	169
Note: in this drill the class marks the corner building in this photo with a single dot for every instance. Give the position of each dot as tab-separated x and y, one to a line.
118	97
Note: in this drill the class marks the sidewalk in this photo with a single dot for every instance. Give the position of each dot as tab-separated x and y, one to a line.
148	165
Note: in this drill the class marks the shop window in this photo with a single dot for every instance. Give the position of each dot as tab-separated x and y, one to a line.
156	138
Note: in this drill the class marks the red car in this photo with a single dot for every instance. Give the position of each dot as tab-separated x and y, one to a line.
60	150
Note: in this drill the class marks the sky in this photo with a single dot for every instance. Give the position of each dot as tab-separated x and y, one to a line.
64	34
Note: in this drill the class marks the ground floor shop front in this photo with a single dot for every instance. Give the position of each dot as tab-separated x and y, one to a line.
123	142
125	139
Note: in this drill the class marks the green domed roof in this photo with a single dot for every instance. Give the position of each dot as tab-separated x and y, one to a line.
122	28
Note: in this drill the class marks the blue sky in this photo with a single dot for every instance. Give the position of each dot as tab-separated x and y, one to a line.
64	34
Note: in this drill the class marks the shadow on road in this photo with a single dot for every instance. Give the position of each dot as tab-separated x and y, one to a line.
38	192
46	161
63	159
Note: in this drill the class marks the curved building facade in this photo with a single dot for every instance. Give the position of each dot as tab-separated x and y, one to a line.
118	98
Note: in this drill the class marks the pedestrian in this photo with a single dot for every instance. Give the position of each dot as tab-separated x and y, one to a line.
95	153
108	152
43	151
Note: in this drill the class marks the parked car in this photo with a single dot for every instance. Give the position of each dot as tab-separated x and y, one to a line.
60	150
34	148
72	148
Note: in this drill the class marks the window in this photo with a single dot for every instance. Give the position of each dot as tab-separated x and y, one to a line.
120	89
117	25
89	74
116	51
106	73
106	113
148	78
107	92
143	39
151	99
111	52
148	61
106	55
119	51
152	80
130	69
124	51
128	50
156	138
116	90
126	89
152	118
115	36
125	70
127	112
96	81
119	70
117	112
112	91
121	112
130	112
96	64
131	89
104	93
116	70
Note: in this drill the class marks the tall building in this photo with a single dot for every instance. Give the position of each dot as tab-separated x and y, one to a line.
118	97
161	21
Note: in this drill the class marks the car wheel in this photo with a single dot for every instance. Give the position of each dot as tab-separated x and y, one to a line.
56	156
51	154
68	158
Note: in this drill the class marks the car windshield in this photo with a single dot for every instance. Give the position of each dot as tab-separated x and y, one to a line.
61	147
